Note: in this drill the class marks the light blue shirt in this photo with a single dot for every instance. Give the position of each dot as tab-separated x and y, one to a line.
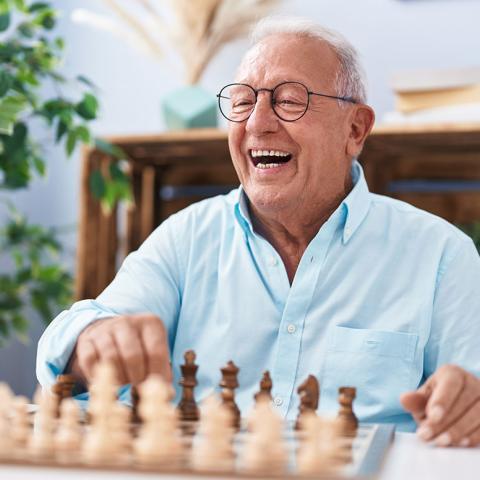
384	294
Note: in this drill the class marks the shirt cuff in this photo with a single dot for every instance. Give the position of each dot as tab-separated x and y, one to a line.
56	345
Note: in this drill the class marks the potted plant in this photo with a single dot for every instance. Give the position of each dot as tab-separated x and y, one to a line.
30	55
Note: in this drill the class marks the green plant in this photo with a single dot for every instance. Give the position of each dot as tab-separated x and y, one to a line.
473	231
30	57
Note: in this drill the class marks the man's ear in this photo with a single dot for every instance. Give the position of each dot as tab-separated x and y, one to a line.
361	123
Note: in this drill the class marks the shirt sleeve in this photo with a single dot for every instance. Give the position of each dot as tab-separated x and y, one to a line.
455	327
149	280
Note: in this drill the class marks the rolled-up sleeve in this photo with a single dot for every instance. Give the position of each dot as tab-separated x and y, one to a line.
149	280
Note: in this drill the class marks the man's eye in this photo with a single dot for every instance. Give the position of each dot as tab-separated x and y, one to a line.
286	101
240	103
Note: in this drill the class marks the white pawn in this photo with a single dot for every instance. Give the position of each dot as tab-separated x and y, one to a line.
213	450
120	432
158	443
20	426
42	443
265	449
309	460
6	441
69	434
98	447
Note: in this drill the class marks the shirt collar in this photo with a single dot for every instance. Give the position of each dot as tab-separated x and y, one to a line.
355	205
357	202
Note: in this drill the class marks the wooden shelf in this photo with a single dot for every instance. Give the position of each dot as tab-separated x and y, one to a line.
184	160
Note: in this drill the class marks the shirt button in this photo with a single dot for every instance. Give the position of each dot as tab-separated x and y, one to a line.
348	231
273	261
291	328
277	401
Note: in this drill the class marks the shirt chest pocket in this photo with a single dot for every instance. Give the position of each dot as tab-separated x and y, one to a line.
380	364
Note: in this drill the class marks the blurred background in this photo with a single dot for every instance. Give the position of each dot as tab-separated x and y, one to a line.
394	37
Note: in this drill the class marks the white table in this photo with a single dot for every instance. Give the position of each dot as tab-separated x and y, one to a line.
407	459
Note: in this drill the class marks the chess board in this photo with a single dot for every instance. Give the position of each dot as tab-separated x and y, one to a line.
366	453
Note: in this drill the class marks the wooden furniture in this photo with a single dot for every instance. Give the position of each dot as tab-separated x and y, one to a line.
436	168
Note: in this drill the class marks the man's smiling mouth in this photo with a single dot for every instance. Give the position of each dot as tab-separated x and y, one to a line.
269	158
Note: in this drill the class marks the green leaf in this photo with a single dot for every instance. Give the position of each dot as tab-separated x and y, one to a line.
26	29
10	108
83	133
20	5
62	129
87	82
97	184
34	7
59	43
87	108
39	165
6	82
71	142
110	149
4	21
4	6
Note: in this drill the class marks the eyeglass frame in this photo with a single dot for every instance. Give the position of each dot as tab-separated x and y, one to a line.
272	91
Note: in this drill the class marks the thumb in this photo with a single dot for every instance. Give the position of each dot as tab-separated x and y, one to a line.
415	402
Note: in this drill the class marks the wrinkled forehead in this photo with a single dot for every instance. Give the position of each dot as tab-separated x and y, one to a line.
282	57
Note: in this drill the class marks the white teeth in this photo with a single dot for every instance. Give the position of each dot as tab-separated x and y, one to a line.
267	165
268	153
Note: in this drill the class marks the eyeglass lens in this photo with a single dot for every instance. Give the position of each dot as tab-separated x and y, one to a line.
289	101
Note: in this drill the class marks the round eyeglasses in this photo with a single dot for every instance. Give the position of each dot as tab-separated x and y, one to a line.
289	100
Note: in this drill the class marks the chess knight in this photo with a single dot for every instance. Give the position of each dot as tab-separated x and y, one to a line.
301	270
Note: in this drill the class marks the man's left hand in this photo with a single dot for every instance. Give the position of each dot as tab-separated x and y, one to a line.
447	407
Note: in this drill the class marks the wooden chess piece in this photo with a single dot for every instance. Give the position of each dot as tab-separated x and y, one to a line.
158	442
265	387
309	392
6	441
213	451
135	398
265	450
188	406
42	442
68	438
346	418
228	385
62	389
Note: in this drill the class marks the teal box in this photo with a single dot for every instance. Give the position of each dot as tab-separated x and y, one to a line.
190	107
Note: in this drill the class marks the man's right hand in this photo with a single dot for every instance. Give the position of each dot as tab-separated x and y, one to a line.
135	344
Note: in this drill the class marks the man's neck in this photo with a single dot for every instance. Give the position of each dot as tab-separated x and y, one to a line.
291	231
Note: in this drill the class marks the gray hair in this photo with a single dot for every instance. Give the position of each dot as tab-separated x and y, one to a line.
350	77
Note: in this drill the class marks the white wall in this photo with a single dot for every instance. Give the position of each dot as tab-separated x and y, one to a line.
389	34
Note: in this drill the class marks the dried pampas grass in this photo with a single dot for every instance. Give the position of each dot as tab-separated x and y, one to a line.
198	29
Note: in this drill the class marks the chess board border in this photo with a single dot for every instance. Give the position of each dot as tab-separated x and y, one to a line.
368	468
375	454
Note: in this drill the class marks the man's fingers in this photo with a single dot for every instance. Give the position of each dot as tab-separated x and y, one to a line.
468	397
449	383
131	352
473	440
154	339
415	402
86	357
108	351
465	425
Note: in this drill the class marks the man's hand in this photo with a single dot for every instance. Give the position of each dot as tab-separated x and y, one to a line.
447	407
135	344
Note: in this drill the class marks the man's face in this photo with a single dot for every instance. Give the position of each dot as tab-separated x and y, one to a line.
319	164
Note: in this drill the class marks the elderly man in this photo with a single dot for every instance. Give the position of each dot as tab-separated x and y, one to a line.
299	271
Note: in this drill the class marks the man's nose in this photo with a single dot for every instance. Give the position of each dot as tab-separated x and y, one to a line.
263	118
